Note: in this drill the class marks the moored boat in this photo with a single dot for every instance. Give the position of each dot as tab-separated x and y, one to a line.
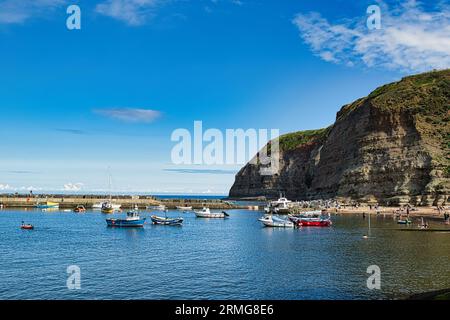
276	222
98	206
47	205
167	221
79	209
184	208
161	207
107	208
407	221
133	220
281	206
206	213
25	226
315	223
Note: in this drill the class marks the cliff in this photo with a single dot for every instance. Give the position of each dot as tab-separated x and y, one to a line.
389	147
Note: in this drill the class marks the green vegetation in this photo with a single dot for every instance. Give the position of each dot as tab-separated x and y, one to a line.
294	140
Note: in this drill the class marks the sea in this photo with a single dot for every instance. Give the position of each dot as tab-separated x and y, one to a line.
72	256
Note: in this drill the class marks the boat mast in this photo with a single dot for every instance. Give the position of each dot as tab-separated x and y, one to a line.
110	184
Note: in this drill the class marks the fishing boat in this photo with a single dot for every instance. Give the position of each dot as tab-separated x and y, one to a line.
281	206
319	223
98	206
133	220
79	209
276	222
184	208
311	219
206	213
26	226
107	207
47	205
165	221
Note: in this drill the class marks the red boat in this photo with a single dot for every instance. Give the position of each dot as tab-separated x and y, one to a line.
27	227
315	223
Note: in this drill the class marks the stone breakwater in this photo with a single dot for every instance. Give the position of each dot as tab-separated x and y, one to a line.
71	201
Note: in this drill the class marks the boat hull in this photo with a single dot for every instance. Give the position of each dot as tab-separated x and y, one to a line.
167	221
274	222
44	206
309	223
122	223
210	215
185	208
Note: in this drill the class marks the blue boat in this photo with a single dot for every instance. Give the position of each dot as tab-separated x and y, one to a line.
133	220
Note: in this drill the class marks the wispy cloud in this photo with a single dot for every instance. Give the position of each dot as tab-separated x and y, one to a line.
132	12
130	114
16	12
71	131
411	39
4	187
22	172
202	171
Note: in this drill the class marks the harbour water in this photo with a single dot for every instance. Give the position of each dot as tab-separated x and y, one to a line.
215	259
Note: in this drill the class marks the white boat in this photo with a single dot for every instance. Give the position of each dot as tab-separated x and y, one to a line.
273	221
206	213
281	206
184	208
161	207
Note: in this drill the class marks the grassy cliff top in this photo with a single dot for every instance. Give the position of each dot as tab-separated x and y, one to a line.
427	94
294	140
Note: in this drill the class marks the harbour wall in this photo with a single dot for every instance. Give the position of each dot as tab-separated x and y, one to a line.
71	201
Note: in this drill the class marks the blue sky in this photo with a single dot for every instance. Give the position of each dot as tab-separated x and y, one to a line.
75	102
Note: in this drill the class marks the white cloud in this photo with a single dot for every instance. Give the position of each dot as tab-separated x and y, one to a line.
130	114
16	12
5	187
132	12
73	186
410	38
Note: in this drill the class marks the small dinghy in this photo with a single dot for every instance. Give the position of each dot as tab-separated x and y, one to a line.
206	213
185	209
407	221
26	226
79	209
276	222
165	221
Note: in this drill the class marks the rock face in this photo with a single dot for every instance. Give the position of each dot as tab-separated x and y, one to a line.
391	147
